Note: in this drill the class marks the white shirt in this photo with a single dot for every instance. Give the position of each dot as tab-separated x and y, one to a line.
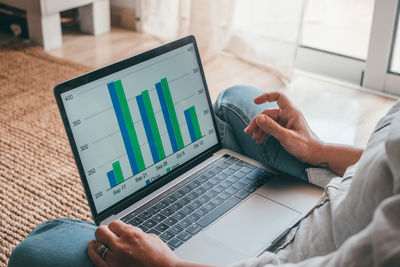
357	220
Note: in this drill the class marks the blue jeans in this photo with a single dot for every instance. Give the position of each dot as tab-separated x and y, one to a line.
63	242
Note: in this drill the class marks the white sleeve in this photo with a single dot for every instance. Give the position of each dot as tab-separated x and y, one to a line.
377	245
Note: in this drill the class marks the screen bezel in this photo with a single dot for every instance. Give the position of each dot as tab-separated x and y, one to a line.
113	68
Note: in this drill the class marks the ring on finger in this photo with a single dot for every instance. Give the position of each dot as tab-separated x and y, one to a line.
103	249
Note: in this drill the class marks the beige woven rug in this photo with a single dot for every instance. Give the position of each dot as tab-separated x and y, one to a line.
38	177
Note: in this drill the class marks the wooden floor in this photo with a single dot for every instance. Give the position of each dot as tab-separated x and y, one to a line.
337	113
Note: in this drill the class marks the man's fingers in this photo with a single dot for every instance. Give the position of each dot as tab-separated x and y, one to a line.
105	236
93	252
277	97
269	126
118	227
272	113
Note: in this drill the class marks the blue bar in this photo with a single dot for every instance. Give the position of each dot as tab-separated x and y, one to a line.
190	125
147	128
123	128
111	178
167	118
147	181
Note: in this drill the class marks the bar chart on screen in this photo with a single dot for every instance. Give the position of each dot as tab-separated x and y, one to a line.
140	123
150	125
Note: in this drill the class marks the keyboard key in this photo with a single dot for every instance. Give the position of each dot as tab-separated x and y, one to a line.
201	212
152	231
245	181
158	217
184	236
162	204
240	174
166	236
223	175
193	229
175	229
135	221
144	228
215	214
209	206
183	201
195	204
217	200
231	160
187	210
178	194
246	164
175	243
176	206
209	174
254	174
203	199
149	223
246	170
201	179
238	185
250	188
224	195
200	190
170	221
235	167
233	179
212	193
214	180
170	199
242	194
219	188
225	183
153	210
217	169
144	215
193	217
223	165
192	195
161	227
179	215
194	183
187	188
167	212
228	172
184	223
128	217
208	186
231	190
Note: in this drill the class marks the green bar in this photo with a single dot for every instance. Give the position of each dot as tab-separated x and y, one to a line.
118	172
168	169
153	124
129	124
172	112
195	121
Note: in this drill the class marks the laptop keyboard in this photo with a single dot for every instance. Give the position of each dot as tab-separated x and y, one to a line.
199	200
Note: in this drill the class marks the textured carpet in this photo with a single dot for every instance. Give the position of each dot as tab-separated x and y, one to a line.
38	177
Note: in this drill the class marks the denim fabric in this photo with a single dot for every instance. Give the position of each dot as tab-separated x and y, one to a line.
63	242
234	109
60	242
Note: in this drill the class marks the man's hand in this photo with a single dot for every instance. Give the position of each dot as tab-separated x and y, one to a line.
287	124
129	246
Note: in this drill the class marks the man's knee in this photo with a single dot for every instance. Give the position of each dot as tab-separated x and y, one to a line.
239	94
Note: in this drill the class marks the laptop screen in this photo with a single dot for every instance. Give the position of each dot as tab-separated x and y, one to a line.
135	125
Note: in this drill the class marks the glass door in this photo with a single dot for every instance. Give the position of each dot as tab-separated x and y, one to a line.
354	41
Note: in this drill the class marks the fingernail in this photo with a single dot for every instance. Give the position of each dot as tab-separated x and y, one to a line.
261	120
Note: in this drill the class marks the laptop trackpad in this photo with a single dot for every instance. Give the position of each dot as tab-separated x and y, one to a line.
253	225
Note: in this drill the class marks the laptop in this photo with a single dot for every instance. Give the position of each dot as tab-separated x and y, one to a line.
147	147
